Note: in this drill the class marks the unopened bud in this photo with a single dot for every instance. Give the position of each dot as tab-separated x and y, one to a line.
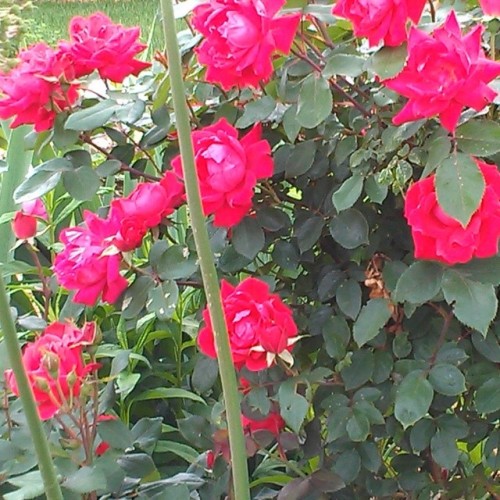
41	384
72	379
50	362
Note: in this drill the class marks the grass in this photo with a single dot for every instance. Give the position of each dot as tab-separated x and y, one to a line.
48	21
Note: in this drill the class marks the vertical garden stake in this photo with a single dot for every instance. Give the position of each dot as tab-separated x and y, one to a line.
208	271
17	163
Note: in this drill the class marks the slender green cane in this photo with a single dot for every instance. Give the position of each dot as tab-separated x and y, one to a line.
208	271
45	464
17	162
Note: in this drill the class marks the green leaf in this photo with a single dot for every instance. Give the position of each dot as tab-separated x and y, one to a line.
293	406
348	298
373	316
350	229
137	465
168	393
205	373
348	193
307	231
248	238
115	433
162	299
479	137
487	399
413	398
146	432
359	371
419	283
182	450
344	64
421	434
336	334
42	179
447	379
490	450
85	480
30	486
488	346
444	450
481	270
389	61
93	116
347	465
375	190
81	183
136	296
459	187
290	123
177	262
256	111
474	304
438	149
300	159
358	427
315	101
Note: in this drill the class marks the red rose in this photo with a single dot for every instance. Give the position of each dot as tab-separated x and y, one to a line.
143	209
444	72
55	372
99	44
380	20
241	38
38	88
25	220
437	236
490	7
228	169
272	423
88	264
70	335
260	326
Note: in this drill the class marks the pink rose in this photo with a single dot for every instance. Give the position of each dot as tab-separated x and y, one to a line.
39	87
241	38
228	169
88	263
490	7
99	44
55	372
259	324
437	236
272	423
70	335
143	209
380	20
444	72
25	220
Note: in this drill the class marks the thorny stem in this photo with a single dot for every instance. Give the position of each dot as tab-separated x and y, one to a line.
447	317
206	258
123	166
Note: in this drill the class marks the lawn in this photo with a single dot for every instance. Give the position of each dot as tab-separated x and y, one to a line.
49	19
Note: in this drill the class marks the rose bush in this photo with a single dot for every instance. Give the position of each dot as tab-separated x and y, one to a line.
355	238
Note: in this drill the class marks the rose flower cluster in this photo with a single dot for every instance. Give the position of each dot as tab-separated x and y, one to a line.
44	83
55	367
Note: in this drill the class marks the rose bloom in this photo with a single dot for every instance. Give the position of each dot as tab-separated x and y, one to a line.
25	220
228	169
99	44
241	38
70	335
437	236
39	87
444	72
272	423
143	209
260	325
88	263
490	7
55	372
380	20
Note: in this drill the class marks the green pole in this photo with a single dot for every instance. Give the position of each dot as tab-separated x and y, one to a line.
208	271
18	161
